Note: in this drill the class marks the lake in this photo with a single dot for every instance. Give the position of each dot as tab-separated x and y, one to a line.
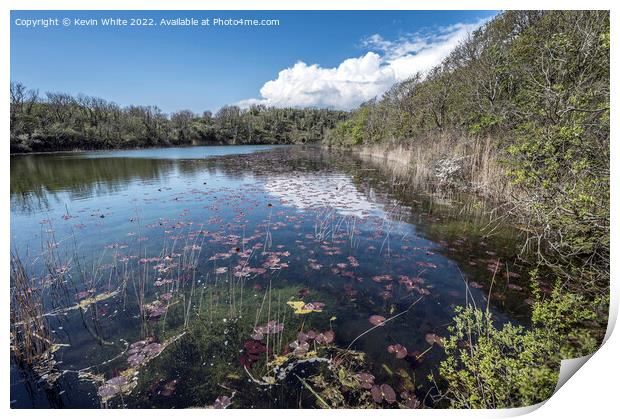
249	276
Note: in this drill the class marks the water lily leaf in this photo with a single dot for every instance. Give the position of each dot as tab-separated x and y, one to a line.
388	393
117	385
297	306
119	380
302	308
222	402
169	388
377	320
366	380
376	393
398	350
136	359
299	348
432	338
410	400
325	338
108	391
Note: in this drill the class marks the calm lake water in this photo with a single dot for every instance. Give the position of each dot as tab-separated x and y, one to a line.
182	277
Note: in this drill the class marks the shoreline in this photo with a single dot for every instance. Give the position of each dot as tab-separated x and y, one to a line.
90	150
442	163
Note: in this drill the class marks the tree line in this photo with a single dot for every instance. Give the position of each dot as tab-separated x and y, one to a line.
59	121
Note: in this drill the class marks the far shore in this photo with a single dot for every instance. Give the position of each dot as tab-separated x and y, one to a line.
88	150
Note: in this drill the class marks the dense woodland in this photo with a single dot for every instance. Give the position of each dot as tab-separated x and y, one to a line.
59	121
533	87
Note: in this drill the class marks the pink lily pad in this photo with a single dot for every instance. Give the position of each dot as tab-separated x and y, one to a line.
398	350
377	320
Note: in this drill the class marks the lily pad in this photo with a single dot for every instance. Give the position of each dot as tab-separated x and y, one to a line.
376	393
388	393
222	402
398	350
432	338
302	308
108	391
366	380
325	338
377	320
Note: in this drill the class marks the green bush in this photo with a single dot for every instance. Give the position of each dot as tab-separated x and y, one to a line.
515	366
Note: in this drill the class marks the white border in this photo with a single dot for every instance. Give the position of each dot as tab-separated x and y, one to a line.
593	389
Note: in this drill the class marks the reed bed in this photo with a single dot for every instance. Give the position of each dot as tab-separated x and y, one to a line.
31	338
444	160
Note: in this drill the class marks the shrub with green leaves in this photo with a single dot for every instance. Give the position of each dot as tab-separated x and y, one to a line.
513	366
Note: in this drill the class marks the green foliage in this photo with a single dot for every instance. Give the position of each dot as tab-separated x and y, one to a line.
352	131
537	84
205	357
487	367
63	122
510	367
484	124
569	320
560	152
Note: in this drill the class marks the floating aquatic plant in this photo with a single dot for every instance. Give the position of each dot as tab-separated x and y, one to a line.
252	351
143	350
300	307
114	386
383	392
325	338
366	380
432	338
398	350
169	388
222	402
376	320
299	348
382	278
272	327
410	400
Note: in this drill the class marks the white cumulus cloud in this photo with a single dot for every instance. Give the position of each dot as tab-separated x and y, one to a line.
359	79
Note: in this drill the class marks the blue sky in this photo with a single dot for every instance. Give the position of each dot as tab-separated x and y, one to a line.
331	59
